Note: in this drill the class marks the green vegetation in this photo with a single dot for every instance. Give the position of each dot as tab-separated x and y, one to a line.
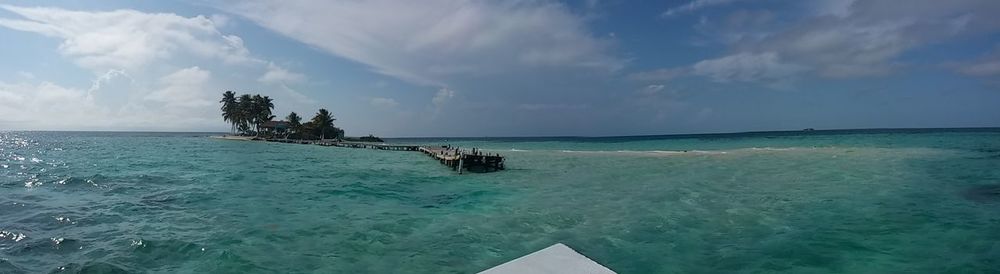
250	115
369	138
246	113
322	125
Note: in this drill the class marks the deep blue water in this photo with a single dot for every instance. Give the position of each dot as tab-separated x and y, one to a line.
852	201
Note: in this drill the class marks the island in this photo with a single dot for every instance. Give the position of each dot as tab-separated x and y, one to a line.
250	118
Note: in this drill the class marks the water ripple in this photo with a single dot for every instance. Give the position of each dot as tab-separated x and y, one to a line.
160	203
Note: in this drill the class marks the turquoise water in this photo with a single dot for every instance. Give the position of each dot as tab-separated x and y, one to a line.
923	201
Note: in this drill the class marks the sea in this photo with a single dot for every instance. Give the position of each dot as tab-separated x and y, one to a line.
842	201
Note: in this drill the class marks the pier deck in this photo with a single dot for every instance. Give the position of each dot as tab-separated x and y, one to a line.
457	159
461	159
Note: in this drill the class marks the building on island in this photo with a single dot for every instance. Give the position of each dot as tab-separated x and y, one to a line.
275	128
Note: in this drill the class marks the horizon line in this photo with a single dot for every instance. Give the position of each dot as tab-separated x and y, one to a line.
566	136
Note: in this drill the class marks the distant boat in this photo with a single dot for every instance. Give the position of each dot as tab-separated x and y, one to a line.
809	129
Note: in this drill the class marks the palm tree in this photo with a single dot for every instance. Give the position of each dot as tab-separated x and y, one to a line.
294	122
254	112
259	111
244	112
264	106
248	112
229	109
323	122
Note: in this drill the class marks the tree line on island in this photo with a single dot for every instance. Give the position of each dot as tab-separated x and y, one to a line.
251	115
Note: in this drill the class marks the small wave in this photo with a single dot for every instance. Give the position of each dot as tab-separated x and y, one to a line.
773	148
32	183
65	220
693	151
157	247
43	220
646	152
12	236
71	182
667	152
164	252
708	152
54	245
60	243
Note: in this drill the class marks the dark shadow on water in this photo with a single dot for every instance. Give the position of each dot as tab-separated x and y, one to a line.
90	267
8	267
983	193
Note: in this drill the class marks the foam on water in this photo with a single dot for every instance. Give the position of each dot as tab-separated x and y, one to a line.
146	202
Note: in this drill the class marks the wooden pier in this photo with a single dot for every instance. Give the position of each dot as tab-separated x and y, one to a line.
379	146
457	159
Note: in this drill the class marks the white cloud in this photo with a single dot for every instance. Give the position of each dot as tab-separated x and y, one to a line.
856	38
652	89
655	88
152	72
552	107
987	65
220	20
278	74
694	6
741	26
442	97
181	100
747	67
384	103
984	68
105	78
128	39
184	88
838	8
658	75
431	42
845	50
298	97
26	75
21	104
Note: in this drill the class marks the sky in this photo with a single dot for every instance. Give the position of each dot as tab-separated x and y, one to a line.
504	68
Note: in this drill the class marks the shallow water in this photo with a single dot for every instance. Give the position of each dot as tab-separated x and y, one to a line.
818	202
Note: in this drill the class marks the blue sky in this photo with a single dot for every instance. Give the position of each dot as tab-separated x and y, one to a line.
504	68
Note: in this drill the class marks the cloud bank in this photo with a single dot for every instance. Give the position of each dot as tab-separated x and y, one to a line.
153	71
439	41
